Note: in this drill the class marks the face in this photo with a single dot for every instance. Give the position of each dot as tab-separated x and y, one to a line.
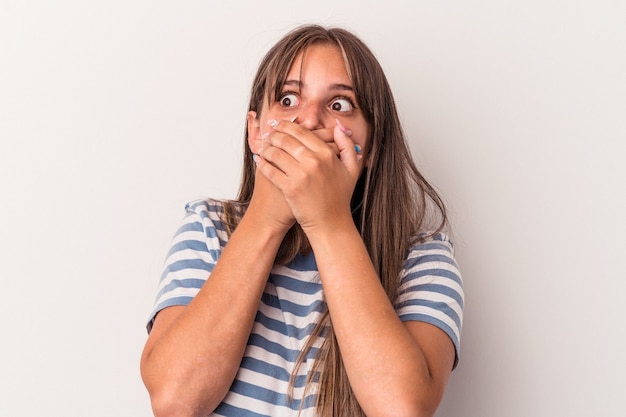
317	92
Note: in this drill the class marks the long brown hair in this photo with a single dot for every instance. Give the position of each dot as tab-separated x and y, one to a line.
393	205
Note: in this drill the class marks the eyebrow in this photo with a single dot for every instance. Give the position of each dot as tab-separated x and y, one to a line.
337	86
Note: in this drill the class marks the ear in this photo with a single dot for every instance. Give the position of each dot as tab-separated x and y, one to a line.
254	132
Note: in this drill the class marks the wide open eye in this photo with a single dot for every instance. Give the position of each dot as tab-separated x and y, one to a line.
342	104
288	100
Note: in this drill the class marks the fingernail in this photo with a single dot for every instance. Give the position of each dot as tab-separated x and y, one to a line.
293	119
272	122
357	148
343	128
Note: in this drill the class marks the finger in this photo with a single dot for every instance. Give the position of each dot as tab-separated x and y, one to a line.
279	142
306	137
333	146
270	171
348	133
327	134
347	150
287	153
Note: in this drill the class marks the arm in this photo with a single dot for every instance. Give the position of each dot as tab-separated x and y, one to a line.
384	358
193	353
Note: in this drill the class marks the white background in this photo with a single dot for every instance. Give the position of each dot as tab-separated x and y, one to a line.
114	114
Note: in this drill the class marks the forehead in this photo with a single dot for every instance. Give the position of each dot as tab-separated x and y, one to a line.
319	60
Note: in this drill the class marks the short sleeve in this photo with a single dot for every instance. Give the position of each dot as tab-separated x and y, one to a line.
194	250
431	288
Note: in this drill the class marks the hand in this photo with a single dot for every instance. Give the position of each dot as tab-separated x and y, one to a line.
269	205
316	180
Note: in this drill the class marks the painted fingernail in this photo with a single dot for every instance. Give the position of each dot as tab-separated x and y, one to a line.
272	122
293	119
357	148
343	128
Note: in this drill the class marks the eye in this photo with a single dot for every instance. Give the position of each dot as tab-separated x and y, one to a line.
342	105
288	100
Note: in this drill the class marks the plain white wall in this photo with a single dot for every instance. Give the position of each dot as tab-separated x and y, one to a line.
114	114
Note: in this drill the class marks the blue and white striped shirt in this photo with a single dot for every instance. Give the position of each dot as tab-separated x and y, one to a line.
291	305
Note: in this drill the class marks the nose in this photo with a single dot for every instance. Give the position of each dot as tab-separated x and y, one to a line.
310	117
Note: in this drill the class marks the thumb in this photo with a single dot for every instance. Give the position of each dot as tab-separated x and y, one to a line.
348	153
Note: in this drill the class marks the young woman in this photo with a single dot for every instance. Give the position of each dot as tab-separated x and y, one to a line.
327	288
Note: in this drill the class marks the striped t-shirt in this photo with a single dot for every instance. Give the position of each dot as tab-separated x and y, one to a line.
291	305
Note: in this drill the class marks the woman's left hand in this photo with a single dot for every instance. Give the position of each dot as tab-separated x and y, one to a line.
316	182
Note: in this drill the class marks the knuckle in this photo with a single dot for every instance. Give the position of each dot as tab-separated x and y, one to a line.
269	153
314	163
327	154
273	139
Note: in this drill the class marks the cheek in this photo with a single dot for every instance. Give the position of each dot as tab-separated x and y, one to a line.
360	136
271	114
277	112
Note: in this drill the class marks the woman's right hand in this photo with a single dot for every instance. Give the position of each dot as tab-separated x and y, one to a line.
269	203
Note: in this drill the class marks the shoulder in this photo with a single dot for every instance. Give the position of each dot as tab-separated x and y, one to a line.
207	210
202	221
430	267
428	240
214	208
437	246
215	218
205	207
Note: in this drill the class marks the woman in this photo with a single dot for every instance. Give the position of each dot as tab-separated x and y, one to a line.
335	293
